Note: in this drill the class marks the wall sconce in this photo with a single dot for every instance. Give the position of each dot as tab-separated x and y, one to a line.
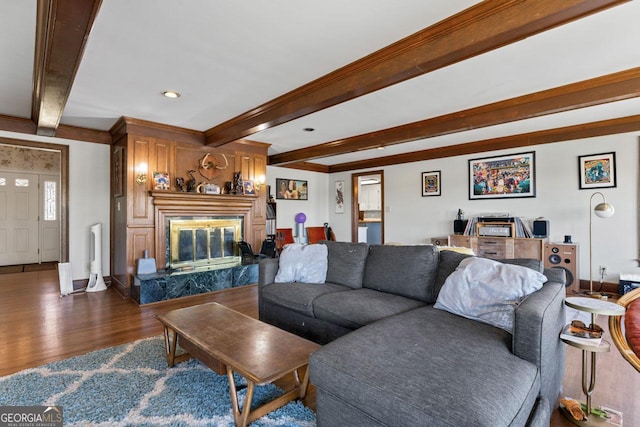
603	210
141	174
260	181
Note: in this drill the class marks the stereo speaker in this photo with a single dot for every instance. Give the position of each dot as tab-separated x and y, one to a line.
540	228
459	225
564	256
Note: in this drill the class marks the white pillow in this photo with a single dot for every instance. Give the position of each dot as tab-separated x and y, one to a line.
303	263
488	291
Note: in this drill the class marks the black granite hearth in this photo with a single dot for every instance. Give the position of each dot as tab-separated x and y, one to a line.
162	286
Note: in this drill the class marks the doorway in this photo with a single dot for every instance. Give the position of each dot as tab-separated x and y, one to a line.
33	203
367	207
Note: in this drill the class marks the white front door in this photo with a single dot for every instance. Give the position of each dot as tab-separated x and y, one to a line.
19	218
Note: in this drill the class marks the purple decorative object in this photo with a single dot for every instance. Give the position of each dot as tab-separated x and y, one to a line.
300	218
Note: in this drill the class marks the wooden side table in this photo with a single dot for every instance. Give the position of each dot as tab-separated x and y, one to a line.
595	307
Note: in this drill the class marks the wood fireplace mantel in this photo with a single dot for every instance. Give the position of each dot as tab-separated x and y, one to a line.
169	203
178	198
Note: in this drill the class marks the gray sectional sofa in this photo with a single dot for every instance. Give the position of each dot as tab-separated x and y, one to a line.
391	359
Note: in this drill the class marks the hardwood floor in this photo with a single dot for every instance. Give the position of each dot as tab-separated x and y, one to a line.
37	326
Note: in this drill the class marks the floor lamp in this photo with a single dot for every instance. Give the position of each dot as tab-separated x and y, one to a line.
603	210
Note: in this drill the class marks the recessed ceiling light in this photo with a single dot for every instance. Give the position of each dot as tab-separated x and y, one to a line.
171	94
308	129
381	147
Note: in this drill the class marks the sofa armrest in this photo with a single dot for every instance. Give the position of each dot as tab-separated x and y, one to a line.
267	271
536	336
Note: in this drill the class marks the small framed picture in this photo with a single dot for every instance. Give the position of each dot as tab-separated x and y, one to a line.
119	177
500	177
431	183
248	187
597	170
212	189
339	187
161	181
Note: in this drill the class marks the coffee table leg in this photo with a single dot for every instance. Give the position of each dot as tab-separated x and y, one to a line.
240	418
170	344
305	383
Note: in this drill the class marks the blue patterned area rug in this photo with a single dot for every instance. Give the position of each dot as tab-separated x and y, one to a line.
131	385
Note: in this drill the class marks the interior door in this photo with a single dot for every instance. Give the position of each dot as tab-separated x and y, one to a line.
18	218
367	209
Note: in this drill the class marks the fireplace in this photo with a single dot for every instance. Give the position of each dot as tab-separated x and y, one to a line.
209	226
203	242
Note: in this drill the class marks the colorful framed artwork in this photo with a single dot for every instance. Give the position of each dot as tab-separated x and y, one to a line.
500	177
293	189
161	181
597	171
431	183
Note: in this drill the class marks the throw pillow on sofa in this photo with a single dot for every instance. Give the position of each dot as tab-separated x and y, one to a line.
488	291
302	263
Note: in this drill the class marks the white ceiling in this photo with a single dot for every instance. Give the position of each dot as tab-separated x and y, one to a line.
227	57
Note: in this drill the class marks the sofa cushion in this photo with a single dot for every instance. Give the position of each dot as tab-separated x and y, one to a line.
359	307
408	271
298	296
346	262
428	365
534	264
302	263
488	291
449	261
556	274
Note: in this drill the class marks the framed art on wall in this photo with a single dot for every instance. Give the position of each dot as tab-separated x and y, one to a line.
431	183
597	170
294	189
507	176
339	195
119	177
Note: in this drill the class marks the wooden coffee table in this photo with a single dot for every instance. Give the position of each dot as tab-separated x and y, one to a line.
227	342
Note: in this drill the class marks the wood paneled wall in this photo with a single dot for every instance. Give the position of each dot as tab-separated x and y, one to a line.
175	151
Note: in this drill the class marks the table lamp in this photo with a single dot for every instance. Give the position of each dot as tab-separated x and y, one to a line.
603	210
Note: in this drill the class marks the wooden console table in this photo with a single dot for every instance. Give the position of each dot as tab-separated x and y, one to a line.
501	247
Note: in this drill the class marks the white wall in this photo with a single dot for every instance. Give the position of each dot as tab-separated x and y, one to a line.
89	180
411	218
89	174
315	208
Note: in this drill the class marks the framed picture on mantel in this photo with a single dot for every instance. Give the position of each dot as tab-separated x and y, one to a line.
500	177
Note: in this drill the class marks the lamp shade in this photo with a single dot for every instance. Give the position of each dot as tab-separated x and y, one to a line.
604	210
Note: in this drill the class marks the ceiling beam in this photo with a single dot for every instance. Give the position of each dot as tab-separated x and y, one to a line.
481	28
568	133
596	91
62	29
27	126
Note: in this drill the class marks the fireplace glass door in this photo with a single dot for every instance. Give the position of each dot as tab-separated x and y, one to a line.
204	242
